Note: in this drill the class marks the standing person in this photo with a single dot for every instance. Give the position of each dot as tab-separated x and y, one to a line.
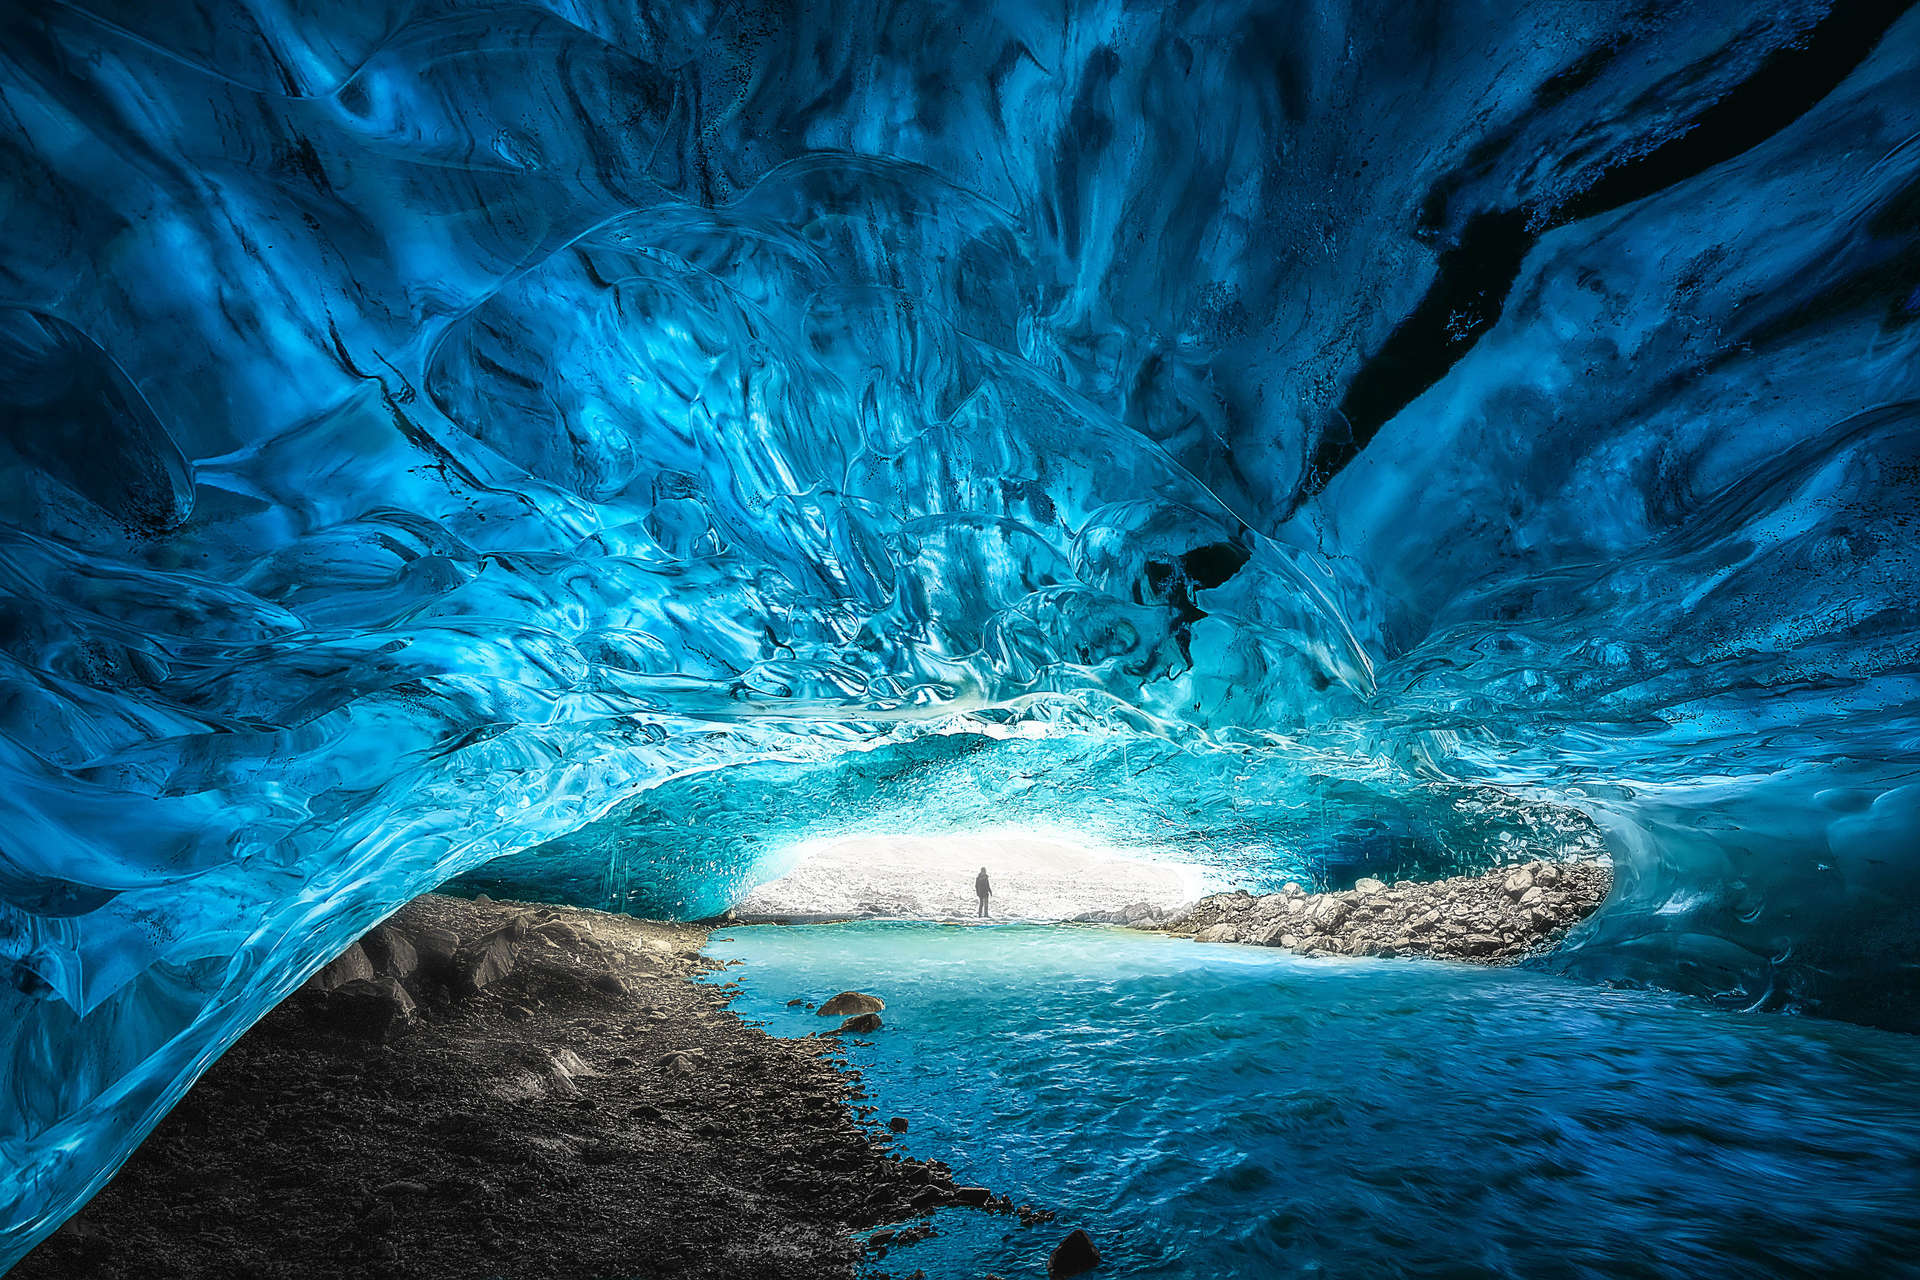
982	889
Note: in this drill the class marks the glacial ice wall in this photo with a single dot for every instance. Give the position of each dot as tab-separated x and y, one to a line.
625	436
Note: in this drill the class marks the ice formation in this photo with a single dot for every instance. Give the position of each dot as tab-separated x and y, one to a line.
634	436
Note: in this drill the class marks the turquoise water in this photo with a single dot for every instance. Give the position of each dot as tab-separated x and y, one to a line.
1213	1111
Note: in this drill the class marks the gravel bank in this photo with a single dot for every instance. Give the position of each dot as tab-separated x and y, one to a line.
492	1089
1495	918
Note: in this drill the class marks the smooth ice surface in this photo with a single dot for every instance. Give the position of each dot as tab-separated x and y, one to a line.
1235	1112
628	439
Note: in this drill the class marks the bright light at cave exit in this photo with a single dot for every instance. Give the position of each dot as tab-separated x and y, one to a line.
1049	875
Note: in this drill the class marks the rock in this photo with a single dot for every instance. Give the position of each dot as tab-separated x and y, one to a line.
350	965
795	1003
851	1002
897	1125
858	1024
975	1196
1329	913
1493	917
1072	1257
560	933
1291	888
391	952
676	1063
377	1009
486	961
434	950
609	984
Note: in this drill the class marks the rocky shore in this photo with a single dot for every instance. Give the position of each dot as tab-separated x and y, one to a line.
1496	918
482	1089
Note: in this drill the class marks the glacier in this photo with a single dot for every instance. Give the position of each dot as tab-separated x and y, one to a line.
590	445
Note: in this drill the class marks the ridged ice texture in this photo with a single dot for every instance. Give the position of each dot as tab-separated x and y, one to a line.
1309	435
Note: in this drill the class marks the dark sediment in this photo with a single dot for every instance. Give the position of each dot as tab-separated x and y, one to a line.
1496	918
491	1089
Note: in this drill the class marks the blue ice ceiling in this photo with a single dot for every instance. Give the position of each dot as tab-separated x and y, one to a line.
1301	437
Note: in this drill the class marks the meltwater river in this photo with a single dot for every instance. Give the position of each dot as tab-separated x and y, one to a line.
1219	1111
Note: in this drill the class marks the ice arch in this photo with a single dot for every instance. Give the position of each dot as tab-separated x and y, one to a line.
615	435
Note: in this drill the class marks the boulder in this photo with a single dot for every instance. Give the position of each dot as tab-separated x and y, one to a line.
1328	913
432	943
851	1002
976	1196
376	1009
1531	896
1073	1256
560	933
351	965
487	961
1218	933
391	952
1518	883
1368	885
858	1024
897	1125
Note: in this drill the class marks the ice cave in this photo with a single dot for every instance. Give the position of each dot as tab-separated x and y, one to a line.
592	453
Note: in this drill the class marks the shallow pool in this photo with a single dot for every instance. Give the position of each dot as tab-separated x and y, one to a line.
1232	1111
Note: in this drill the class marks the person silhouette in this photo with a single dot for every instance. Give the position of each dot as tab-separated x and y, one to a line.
982	889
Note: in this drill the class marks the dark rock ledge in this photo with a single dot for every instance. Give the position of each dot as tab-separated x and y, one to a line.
481	1089
1496	918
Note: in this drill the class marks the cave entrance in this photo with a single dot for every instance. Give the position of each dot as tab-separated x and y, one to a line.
1049	876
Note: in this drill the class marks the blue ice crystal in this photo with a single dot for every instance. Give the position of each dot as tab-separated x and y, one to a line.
1305	439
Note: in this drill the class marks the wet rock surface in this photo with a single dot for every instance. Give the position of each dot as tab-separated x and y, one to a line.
1496	918
1135	915
485	1089
1073	1256
851	1003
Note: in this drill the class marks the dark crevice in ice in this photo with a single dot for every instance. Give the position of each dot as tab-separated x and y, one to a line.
1475	273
